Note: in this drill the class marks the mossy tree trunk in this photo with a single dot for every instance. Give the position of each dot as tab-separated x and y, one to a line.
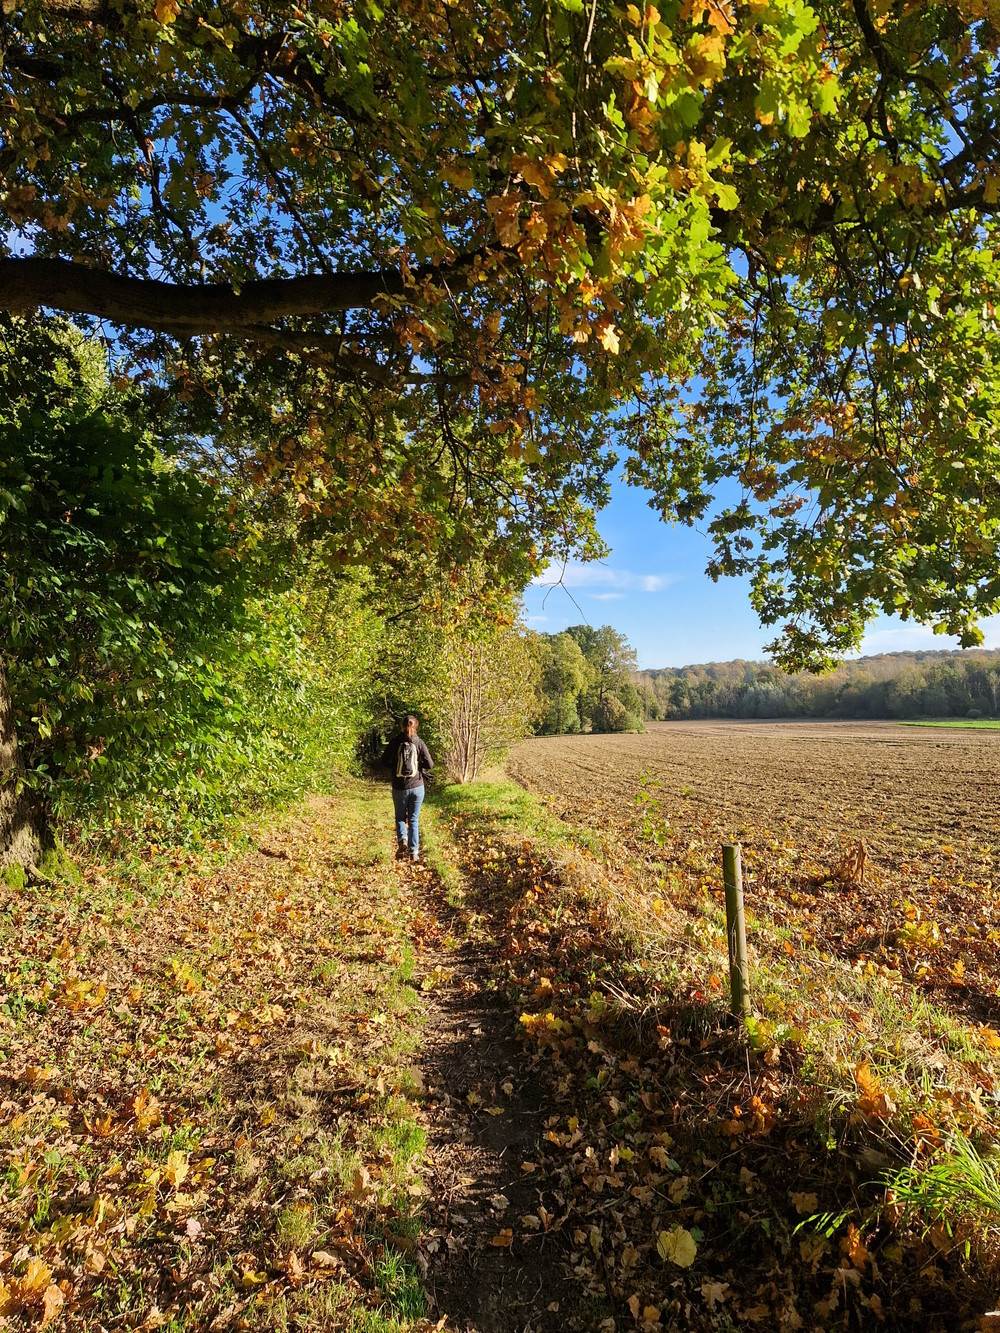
22	828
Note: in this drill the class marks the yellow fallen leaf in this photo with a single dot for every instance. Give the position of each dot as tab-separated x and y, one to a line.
677	1246
503	1239
83	994
36	1279
101	1128
35	1074
176	1169
679	1189
146	1109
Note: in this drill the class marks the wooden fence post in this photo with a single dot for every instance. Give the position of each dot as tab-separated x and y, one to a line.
736	931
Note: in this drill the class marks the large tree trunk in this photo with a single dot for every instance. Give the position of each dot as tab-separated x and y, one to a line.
21	829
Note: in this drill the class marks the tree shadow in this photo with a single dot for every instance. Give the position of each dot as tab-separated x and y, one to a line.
486	1110
653	1137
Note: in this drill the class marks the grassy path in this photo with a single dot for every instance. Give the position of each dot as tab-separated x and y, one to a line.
207	1086
268	1086
484	1113
288	1084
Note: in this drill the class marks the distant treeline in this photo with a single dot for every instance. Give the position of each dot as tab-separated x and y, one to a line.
890	685
589	682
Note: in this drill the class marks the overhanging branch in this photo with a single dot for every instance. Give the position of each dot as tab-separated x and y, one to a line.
63	284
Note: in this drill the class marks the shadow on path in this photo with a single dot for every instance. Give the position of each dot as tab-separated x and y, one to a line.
485	1269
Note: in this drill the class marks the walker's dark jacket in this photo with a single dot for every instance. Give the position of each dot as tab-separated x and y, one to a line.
424	763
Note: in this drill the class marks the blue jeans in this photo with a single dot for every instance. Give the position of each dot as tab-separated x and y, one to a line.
408	805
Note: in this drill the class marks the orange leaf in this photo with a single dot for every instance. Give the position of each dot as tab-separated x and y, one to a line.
853	1247
52	1303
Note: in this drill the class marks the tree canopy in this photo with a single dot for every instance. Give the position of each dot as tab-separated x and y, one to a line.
587	681
440	258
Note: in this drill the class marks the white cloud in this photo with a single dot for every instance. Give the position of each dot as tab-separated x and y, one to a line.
577	574
536	620
916	638
903	640
606	596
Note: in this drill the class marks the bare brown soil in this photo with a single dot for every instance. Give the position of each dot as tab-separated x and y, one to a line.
800	797
900	788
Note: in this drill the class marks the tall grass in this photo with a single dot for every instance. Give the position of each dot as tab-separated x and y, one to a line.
962	1185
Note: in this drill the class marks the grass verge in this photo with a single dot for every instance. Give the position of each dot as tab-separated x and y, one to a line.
980	724
208	1115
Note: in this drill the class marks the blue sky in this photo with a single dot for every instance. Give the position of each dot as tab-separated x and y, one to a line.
652	587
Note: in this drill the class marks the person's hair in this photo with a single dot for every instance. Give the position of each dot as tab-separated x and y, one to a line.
411	717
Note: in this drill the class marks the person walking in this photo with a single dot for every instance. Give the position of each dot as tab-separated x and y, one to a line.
407	759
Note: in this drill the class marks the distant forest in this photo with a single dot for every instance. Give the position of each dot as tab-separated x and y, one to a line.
889	685
589	682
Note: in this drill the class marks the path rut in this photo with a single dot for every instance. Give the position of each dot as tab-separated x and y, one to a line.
485	1271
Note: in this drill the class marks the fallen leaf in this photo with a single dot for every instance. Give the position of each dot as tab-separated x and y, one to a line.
176	1170
714	1293
677	1246
52	1303
35	1281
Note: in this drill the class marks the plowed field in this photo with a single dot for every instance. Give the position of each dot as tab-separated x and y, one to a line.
801	797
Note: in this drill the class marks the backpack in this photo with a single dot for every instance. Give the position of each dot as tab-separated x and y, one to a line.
406	760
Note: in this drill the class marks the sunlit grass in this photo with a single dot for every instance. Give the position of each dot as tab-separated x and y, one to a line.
980	724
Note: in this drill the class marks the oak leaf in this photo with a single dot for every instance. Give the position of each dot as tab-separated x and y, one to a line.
176	1170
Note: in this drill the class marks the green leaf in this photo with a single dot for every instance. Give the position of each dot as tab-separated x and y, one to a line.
726	195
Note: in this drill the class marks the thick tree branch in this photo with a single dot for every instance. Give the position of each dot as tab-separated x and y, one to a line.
63	284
